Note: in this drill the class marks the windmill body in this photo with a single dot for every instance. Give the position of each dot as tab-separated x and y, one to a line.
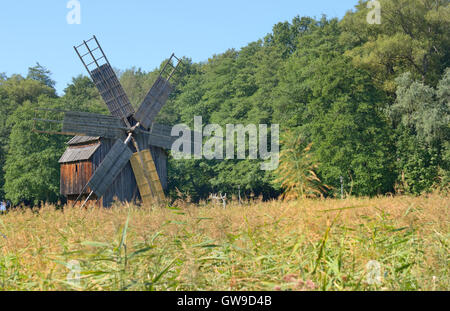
83	156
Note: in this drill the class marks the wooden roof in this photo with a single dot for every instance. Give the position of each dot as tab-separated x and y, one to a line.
81	140
79	153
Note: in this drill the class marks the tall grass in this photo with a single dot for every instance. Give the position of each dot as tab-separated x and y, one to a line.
299	245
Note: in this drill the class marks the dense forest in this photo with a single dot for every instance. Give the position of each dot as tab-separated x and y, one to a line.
368	103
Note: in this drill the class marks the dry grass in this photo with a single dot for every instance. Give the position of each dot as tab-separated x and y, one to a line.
301	245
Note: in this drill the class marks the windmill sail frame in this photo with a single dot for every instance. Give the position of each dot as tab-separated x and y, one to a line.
105	79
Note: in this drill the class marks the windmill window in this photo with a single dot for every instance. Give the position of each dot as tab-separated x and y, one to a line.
76	168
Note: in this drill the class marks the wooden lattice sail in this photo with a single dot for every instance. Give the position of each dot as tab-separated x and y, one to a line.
147	178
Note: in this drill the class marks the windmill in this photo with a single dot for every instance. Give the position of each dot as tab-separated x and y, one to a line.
133	133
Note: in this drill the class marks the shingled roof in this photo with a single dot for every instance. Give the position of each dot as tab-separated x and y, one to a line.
80	140
75	154
77	151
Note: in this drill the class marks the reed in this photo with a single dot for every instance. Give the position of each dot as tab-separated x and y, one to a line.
307	244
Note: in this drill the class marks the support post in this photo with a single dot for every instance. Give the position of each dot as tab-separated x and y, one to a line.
87	199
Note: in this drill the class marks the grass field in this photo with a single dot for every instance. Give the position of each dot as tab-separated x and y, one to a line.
302	245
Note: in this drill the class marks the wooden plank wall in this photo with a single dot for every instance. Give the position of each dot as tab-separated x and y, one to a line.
74	176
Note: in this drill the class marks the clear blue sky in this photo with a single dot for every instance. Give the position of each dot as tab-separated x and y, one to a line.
140	33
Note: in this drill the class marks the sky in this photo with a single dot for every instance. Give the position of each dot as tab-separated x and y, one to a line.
139	33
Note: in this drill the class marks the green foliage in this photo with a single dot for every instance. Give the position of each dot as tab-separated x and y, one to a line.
422	116
419	108
350	134
190	177
337	108
82	95
136	84
412	36
14	92
417	163
32	168
41	74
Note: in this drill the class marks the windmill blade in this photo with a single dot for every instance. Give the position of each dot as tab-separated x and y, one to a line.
91	124
104	78
161	136
110	168
63	122
158	94
153	102
147	177
112	92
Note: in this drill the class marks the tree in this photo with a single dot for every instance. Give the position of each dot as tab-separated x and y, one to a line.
14	91
136	84
421	116
350	134
413	36
32	168
339	110
41	74
420	108
82	95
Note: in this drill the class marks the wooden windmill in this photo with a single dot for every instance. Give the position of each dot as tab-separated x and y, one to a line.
114	154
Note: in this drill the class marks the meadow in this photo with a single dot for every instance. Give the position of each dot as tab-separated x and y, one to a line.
299	245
